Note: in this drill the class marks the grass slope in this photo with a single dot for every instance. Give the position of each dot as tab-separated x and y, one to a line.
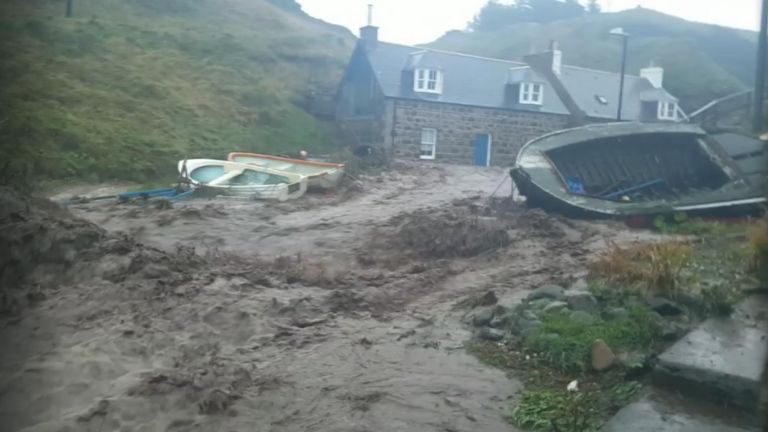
701	61
125	88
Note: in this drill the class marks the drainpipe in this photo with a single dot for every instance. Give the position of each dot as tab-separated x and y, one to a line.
759	95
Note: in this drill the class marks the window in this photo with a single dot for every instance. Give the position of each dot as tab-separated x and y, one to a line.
531	93
428	81
667	111
428	144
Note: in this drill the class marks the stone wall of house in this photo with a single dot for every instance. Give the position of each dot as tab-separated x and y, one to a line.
374	131
457	126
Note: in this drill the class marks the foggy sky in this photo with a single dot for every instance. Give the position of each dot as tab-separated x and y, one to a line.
421	21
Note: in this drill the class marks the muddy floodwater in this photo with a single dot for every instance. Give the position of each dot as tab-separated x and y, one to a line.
333	312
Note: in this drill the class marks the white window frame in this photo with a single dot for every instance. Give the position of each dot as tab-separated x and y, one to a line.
428	81
664	108
428	138
531	93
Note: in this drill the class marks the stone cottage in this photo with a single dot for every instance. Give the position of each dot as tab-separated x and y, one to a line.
421	103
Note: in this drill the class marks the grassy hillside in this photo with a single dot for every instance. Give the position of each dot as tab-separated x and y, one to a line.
125	88
701	61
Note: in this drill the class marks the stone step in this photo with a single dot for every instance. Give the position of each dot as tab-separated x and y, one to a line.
721	360
663	412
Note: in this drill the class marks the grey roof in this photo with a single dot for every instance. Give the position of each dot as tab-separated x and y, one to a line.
481	81
469	80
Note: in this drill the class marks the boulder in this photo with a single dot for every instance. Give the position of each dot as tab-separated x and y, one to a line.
525	324
665	307
602	356
616	313
490	334
581	301
487	299
555	307
582	317
579	285
502	320
547	291
632	360
530	332
540	304
481	316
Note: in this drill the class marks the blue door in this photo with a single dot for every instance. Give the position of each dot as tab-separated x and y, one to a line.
483	149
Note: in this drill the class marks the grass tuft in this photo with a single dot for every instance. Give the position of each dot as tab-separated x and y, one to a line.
656	266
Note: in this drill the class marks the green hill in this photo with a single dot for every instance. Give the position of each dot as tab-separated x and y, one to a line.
701	61
125	88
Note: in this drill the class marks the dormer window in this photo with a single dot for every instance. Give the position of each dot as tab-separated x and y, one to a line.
667	110
531	93
428	81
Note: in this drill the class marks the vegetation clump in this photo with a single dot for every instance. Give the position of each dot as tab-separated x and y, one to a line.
564	343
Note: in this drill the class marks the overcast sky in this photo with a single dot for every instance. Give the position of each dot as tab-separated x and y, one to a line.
421	21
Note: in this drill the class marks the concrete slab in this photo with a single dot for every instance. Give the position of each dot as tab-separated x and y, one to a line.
723	359
654	416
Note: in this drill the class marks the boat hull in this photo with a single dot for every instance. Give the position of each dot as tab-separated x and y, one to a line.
567	172
322	175
242	180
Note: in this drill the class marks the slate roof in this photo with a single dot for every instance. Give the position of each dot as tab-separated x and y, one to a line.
469	80
481	81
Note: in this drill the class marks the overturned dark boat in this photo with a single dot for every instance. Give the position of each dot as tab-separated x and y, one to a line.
631	169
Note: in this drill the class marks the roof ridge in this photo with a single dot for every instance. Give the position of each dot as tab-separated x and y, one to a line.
600	71
457	53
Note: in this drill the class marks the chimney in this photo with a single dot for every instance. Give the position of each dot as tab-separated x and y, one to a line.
551	60
556	57
654	74
369	35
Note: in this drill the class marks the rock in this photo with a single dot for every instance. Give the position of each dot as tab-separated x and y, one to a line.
616	313
581	301
602	356
579	285
540	304
582	317
665	307
525	324
555	307
530	332
480	317
546	291
487	299
490	334
672	330
530	315
633	361
502	320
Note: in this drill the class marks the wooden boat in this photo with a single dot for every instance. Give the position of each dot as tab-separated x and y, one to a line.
243	180
322	175
632	169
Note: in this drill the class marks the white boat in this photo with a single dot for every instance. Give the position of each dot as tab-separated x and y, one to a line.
322	175
243	180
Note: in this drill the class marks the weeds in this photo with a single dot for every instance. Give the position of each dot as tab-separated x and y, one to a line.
656	266
548	410
680	224
558	410
758	240
565	344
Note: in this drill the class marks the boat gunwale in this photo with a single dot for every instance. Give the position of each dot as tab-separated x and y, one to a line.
337	165
539	147
207	162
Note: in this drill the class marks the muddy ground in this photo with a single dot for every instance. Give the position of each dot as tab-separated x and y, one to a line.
329	313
